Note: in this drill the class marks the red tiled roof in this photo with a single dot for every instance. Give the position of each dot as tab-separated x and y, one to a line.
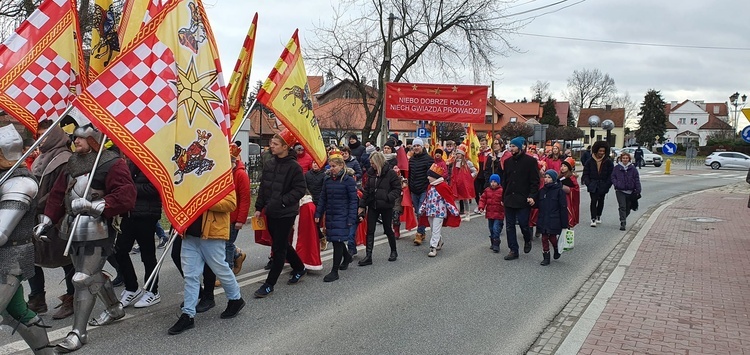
342	114
723	108
269	125
527	109
504	111
562	108
715	123
617	115
678	105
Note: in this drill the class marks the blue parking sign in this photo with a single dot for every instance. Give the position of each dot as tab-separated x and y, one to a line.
746	134
423	133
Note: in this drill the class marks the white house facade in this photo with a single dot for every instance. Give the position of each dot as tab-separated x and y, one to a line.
690	121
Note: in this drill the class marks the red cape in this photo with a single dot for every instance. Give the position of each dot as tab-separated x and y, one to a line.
447	194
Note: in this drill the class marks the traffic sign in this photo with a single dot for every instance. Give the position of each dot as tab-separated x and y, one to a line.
691	153
746	134
423	133
669	148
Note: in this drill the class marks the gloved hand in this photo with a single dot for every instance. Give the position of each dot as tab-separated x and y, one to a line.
86	207
40	229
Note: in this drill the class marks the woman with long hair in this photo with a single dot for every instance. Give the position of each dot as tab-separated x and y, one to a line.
381	190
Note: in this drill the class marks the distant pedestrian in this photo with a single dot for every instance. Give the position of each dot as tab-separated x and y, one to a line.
520	184
356	149
352	162
638	154
553	214
491	204
338	201
419	165
627	183
314	179
439	208
597	174
462	177
569	182
480	181
586	155
304	159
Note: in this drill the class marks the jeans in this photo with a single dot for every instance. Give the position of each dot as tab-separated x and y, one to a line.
231	250
196	253
521	216
279	229
140	229
496	227
351	241
160	231
416	200
597	205
623	204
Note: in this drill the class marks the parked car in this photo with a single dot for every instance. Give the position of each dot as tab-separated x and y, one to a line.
728	160
649	157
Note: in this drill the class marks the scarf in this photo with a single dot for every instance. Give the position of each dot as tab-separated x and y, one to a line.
55	151
598	162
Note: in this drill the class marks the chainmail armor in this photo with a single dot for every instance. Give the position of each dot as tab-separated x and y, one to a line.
81	164
23	252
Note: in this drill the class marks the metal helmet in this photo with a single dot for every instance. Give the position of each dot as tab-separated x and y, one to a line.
89	132
11	143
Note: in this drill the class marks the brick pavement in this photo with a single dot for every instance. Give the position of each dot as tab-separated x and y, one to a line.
687	290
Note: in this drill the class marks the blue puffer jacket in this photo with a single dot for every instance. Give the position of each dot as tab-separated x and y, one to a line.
626	178
553	209
338	201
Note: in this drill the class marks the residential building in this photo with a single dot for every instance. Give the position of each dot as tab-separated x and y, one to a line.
617	135
695	121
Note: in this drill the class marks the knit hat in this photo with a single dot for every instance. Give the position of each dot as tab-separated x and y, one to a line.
370	149
570	163
391	144
552	174
495	178
518	142
417	141
461	151
435	171
353	136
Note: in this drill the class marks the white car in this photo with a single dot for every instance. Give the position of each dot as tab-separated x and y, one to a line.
649	157
728	160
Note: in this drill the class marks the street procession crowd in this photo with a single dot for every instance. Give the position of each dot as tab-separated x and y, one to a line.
512	185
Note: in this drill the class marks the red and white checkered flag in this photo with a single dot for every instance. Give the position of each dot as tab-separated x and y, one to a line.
41	64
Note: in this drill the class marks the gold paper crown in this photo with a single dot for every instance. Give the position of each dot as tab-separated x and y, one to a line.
335	154
437	169
234	150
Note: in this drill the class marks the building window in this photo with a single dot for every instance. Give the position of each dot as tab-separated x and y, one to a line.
681	120
513	119
488	119
716	109
598	137
586	139
693	121
347	94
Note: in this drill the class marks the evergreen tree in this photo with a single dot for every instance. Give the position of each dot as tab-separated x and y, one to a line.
571	120
549	113
653	120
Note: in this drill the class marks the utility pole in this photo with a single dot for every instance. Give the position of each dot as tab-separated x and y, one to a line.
493	110
386	79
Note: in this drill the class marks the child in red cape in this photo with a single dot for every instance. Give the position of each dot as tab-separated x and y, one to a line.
439	208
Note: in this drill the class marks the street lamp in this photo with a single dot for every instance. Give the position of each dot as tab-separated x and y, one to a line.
734	100
609	126
593	122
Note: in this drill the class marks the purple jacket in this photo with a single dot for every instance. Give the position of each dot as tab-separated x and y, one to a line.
626	178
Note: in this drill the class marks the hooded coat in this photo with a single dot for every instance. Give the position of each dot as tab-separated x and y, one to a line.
338	201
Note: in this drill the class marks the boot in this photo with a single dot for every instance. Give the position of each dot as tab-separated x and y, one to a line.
241	256
65	308
35	335
323	244
556	255
545	262
332	276
38	303
397	230
368	251
347	260
418	238
496	245
392	244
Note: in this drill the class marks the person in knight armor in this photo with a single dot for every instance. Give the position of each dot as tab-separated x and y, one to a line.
112	193
17	209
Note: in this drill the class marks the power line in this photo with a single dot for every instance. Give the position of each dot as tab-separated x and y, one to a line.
551	12
534	9
637	43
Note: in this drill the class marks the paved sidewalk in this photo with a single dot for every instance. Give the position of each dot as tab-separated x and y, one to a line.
687	289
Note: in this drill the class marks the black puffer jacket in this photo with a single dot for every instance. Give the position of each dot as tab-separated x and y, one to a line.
147	200
314	180
419	164
520	181
380	192
282	185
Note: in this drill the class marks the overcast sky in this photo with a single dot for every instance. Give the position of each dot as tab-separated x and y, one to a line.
679	73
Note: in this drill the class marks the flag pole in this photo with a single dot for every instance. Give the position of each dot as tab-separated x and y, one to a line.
149	285
36	144
493	109
244	118
85	194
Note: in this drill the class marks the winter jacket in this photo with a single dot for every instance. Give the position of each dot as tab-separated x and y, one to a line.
492	166
553	209
353	163
338	201
492	203
282	185
598	182
419	164
520	180
305	161
585	157
314	180
357	150
380	192
364	161
147	200
242	189
215	222
626	178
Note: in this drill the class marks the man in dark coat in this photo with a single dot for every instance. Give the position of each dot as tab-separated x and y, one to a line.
520	185
357	149
638	155
586	155
419	164
281	188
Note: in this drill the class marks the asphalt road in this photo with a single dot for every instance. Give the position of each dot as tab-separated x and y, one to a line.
466	300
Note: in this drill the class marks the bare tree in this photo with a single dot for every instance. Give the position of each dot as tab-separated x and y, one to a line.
451	131
430	38
340	123
516	129
540	90
631	109
589	88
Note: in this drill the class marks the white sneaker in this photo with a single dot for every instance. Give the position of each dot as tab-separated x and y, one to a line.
148	299
432	253
598	220
593	223
440	244
127	298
